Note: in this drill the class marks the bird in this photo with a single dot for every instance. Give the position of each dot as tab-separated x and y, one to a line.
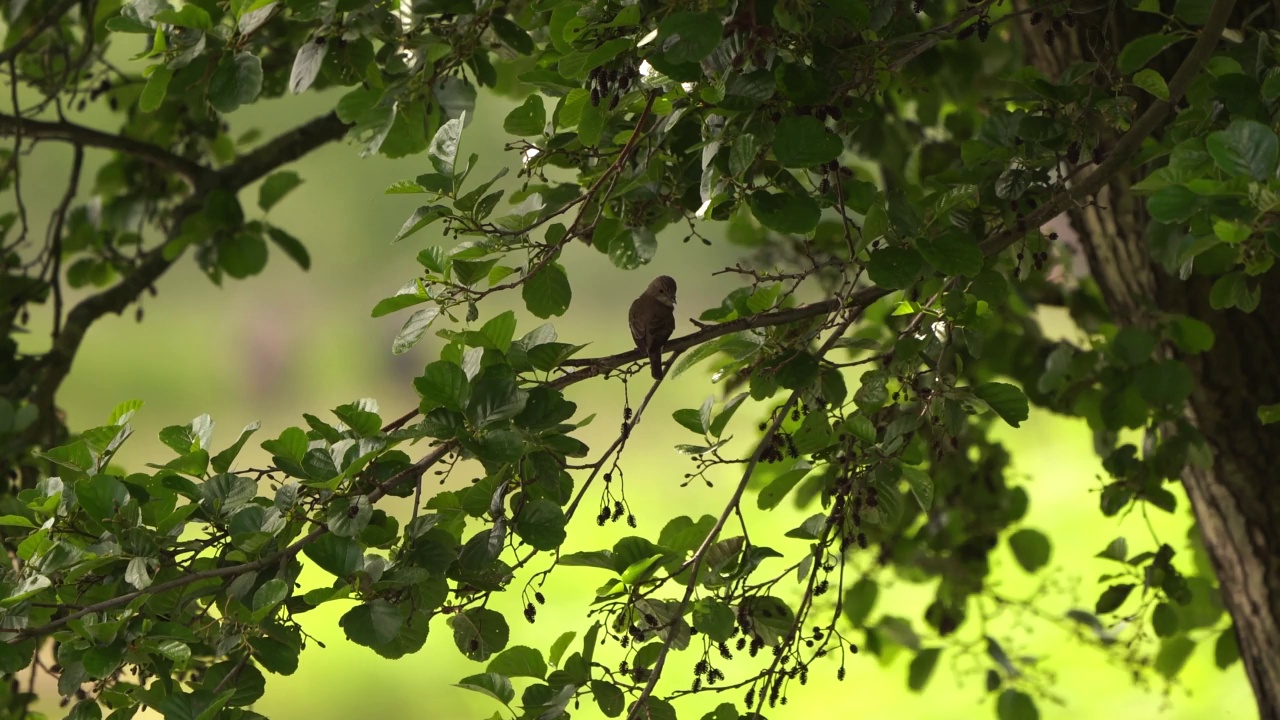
653	318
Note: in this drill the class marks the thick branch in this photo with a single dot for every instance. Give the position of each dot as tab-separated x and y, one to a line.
54	365
89	137
282	150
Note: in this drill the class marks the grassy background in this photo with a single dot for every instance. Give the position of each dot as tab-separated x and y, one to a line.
288	342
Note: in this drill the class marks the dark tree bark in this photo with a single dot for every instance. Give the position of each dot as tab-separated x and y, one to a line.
1237	501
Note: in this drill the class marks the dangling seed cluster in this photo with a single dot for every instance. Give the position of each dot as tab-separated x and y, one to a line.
611	82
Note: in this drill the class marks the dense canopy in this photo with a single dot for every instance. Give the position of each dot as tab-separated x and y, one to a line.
908	185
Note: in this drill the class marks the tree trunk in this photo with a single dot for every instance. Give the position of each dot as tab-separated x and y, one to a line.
1237	501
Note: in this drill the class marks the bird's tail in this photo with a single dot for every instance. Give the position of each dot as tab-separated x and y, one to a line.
655	363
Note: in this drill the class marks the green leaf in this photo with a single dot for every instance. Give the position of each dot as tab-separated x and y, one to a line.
499	331
189	16
495	685
291	246
243	254
541	524
1172	204
275	187
222	461
1191	335
306	65
1031	549
479	632
101	496
742	154
349	516
608	697
803	141
519	661
1132	346
1006	400
547	292
895	267
1139	51
1113	597
921	484
445	384
1173	655
714	619
408	296
421	218
632	248
560	645
952	253
1231	231
795	370
291	444
14	658
237	81
1245	149
1168	383
266	598
413	330
726	414
774	492
1164	620
511	34
784	212
591	125
1233	290
1016	705
495	397
1226	650
1152	82
690	419
154	91
921	668
688	37
86	709
1267	414
273	655
529	118
859	601
372	624
1117	550
337	555
1192	12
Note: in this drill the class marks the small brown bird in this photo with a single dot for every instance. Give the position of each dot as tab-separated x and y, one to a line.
653	318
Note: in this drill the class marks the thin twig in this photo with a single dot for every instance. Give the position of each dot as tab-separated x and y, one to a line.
88	137
55	237
46	21
700	554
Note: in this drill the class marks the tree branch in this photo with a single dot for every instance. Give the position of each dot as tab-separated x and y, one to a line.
639	708
596	366
54	365
856	303
1131	142
51	18
282	150
80	135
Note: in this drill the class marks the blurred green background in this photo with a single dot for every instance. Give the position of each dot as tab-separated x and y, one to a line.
288	342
